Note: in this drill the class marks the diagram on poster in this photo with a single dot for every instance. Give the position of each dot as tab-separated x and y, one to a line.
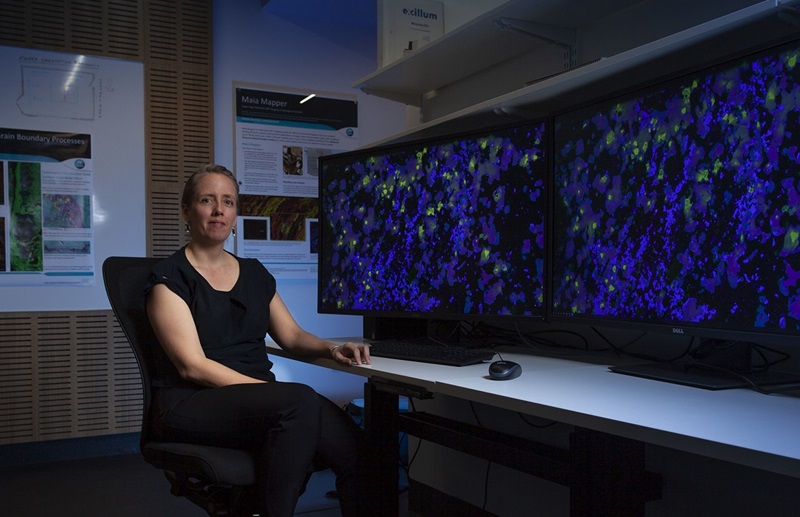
278	141
66	93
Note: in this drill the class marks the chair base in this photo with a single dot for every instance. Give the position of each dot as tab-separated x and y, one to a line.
216	500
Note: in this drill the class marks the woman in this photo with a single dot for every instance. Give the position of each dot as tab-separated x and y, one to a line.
211	312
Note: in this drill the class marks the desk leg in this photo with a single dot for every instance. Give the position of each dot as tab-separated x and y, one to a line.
381	425
608	477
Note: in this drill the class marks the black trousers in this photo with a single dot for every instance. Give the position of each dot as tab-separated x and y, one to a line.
288	426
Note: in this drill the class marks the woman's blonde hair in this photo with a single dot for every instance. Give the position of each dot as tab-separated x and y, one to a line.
190	189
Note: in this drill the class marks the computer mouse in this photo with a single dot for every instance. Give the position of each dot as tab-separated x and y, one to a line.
504	370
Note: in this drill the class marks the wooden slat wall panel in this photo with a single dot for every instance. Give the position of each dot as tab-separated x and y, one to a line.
178	111
72	374
13	24
64	375
110	28
57	377
17	376
125	383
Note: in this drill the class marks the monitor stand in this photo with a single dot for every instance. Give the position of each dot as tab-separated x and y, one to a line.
699	376
380	328
716	364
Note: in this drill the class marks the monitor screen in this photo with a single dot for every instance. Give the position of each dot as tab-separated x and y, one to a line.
678	205
452	227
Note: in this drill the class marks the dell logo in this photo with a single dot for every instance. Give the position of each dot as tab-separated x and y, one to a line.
677	331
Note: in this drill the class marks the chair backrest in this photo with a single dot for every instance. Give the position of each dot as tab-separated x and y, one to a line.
125	279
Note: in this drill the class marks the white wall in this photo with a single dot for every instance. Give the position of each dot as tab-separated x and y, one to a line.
287	44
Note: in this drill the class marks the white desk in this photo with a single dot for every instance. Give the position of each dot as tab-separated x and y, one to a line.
739	426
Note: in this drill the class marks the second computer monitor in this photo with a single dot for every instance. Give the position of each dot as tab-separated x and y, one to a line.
677	207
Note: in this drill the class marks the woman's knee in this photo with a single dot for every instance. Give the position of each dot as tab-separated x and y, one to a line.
302	402
301	395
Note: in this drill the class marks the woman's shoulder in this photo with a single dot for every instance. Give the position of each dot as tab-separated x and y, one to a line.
254	273
173	271
252	265
175	262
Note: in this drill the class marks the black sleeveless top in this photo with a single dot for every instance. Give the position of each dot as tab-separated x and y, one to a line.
232	325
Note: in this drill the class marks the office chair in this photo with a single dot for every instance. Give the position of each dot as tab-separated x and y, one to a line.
219	480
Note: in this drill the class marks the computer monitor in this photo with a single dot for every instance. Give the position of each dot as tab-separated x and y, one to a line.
677	206
451	228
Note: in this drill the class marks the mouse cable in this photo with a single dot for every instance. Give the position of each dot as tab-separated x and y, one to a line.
486	485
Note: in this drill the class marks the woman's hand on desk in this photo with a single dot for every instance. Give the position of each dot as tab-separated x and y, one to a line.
351	354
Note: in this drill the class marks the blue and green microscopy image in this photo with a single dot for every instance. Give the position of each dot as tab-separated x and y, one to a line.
67	211
454	226
680	204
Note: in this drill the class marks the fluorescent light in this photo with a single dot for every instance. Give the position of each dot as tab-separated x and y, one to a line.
310	96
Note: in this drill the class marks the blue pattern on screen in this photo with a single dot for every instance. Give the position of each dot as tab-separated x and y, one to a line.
681	205
450	227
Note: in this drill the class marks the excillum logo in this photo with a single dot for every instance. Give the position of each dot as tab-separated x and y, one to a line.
420	13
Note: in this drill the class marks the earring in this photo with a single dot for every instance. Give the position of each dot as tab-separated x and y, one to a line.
233	231
186	229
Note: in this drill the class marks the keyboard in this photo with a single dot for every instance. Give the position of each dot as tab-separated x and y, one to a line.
427	352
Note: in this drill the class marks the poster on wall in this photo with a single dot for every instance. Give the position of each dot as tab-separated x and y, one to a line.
72	176
279	135
46	208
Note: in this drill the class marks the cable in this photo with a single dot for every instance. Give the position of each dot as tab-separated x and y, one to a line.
486	486
488	463
537	426
412	457
475	414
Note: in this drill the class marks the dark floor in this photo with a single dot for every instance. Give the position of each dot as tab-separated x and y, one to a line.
120	486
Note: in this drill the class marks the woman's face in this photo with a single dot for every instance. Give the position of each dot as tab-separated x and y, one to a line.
212	213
